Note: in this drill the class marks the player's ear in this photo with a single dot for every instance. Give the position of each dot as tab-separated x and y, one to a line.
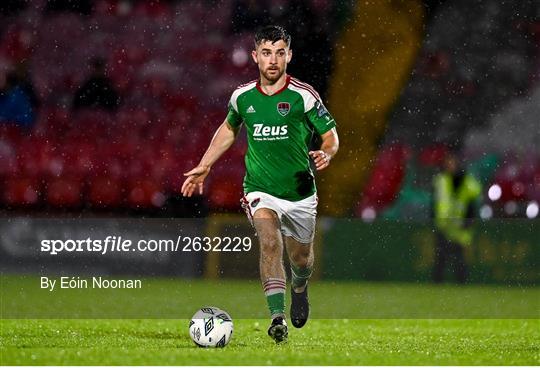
254	56
289	56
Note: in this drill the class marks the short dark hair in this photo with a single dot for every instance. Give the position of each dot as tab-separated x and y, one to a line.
272	34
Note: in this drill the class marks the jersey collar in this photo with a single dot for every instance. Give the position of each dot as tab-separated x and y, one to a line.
287	80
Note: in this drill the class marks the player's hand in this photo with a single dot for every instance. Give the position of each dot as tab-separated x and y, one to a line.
195	180
321	159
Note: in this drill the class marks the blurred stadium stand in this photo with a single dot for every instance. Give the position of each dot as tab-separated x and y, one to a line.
404	84
473	89
174	64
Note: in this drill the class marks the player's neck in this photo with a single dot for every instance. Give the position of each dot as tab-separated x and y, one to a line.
271	88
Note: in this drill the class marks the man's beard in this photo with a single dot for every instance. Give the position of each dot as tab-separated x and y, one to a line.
273	78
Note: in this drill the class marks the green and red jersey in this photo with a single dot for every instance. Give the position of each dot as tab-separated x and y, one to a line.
279	129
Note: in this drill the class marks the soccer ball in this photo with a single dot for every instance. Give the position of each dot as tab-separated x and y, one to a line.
211	327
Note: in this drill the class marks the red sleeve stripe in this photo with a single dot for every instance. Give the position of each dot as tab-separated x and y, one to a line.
274	288
274	284
246	84
312	92
307	87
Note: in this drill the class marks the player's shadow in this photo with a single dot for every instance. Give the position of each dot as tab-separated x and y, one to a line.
171	335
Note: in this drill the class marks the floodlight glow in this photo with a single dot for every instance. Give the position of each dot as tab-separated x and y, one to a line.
494	192
369	214
486	212
239	57
532	210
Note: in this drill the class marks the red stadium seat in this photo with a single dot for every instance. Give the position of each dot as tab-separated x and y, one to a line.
8	158
225	194
53	122
173	102
106	192
508	178
433	155
106	7
225	184
386	177
35	155
11	132
145	194
16	43
534	190
64	193
21	192
79	158
153	9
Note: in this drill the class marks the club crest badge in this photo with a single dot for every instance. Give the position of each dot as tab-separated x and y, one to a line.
283	108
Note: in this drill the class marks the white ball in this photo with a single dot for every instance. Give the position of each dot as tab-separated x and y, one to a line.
211	327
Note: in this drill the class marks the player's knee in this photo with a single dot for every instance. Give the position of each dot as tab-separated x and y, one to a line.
302	260
304	263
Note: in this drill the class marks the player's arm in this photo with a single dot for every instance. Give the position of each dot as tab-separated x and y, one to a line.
222	140
329	148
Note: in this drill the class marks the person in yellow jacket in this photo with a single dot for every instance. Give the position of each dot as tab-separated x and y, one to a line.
454	193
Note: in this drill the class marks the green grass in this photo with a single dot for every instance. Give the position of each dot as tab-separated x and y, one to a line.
321	342
21	298
353	324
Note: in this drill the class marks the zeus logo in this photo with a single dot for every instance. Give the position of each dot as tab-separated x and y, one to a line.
269	131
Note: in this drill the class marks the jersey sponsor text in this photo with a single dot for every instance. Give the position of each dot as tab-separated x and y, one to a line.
269	133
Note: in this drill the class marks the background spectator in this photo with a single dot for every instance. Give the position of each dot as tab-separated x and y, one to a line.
97	91
15	104
454	193
24	81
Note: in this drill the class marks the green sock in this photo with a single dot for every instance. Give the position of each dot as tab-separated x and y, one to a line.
274	289
300	276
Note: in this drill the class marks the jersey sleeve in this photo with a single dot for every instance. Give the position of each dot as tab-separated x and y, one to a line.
320	118
233	116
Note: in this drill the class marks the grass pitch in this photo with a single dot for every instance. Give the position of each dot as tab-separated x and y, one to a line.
358	340
321	342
